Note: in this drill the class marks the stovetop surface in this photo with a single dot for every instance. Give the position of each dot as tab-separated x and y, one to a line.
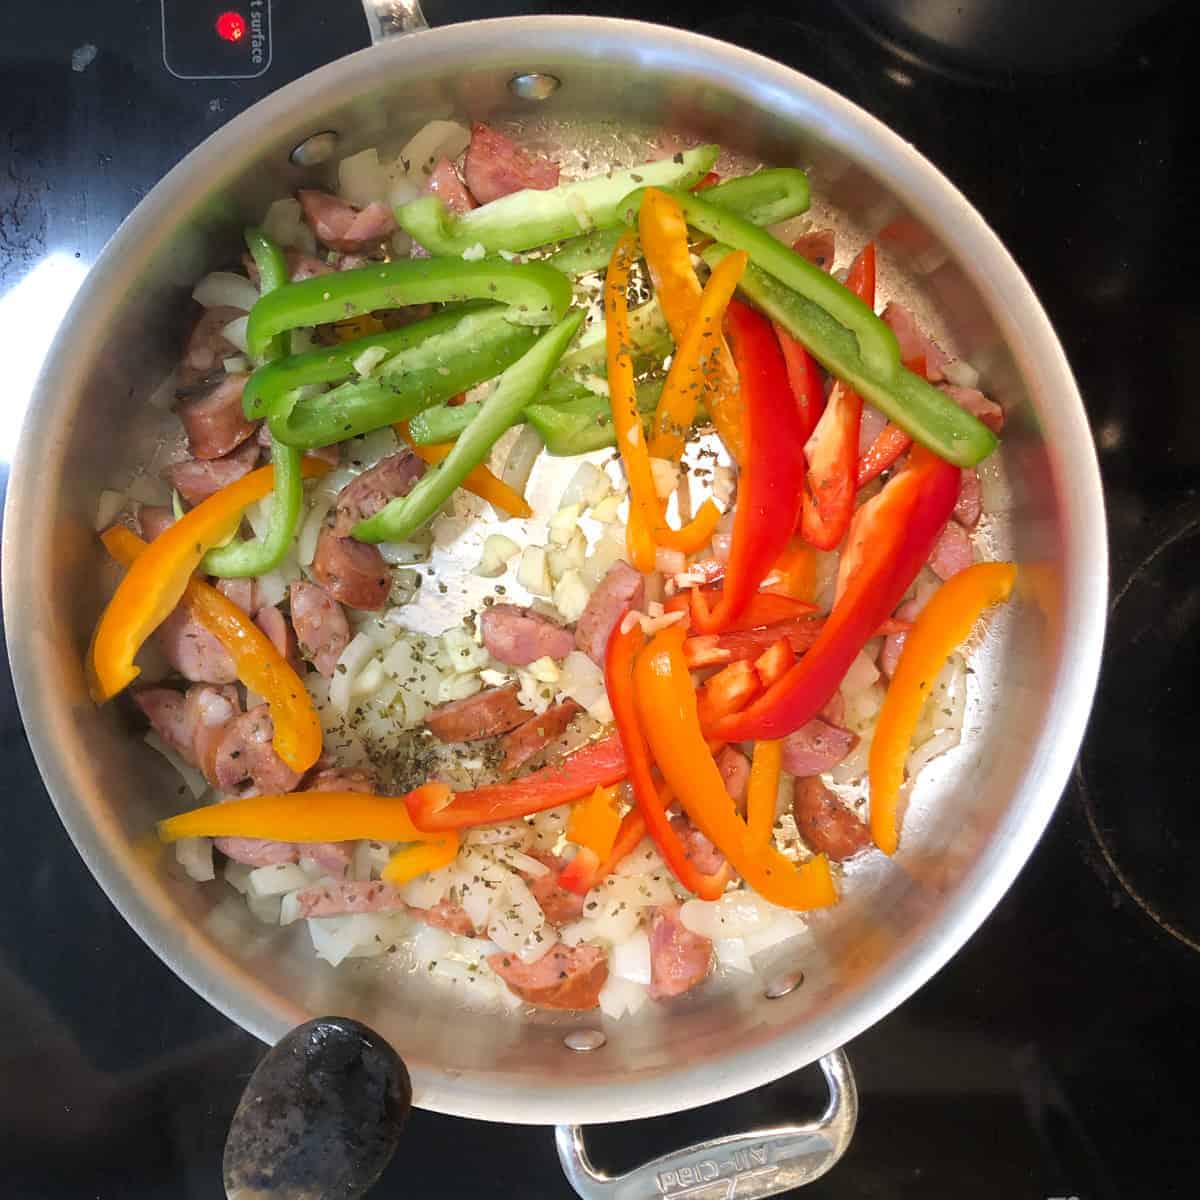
1056	1054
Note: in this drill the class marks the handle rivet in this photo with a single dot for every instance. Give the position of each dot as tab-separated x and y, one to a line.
315	150
783	985
535	85
582	1040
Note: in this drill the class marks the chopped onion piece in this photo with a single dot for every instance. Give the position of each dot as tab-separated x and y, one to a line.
731	953
361	180
276	879
224	289
235	333
434	140
619	997
310	531
109	507
589	485
354	658
368	360
666	477
861	674
521	862
521	457
961	374
195	856
195	781
607	511
533	574
497	550
736	914
475	253
571	596
563	524
630	959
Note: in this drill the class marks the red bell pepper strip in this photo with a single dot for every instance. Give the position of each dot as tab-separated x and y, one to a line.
770	492
763	608
712	650
728	691
597	764
832	450
804	375
893	535
889	444
623	648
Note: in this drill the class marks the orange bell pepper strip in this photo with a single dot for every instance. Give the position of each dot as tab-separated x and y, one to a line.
763	790
432	852
774	662
305	817
664	238
587	869
479	481
652	799
155	582
594	822
647	526
794	574
596	764
944	624
297	738
728	691
666	703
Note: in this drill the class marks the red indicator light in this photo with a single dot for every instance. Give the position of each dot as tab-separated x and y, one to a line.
231	26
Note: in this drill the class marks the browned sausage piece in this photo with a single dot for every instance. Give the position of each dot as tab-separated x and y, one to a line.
679	958
353	573
213	420
558	905
246	763
365	495
825	823
321	626
565	977
622	587
518	636
536	734
485	714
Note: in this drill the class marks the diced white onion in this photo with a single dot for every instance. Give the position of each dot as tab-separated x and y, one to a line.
609	549
533	574
372	447
368	360
475	253
108	508
360	650
237	875
544	670
195	856
929	749
736	914
589	485
511	833
434	140
521	862
723	485
607	511
361	180
402	190
224	289
571	596
786	925
619	997
284	223
581	679
429	889
961	374
630	959
310	531
266	909
731	953
195	781
276	879
458	687
481	884
235	334
563	524
236	365
521	457
668	561
497	550
861	674
464	654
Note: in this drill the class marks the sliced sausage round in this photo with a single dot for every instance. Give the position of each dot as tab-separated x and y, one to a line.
566	977
496	166
735	770
277	627
448	916
558	905
246	763
207	347
214	421
518	636
321	626
197	479
535	734
167	711
365	495
154	519
210	709
353	573
341	226
679	958
815	747
486	714
622	587
952	552
444	183
339	899
827	826
193	651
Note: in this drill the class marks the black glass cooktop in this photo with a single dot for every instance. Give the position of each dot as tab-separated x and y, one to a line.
1056	1054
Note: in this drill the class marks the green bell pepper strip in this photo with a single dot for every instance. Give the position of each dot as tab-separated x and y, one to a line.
535	293
762	198
928	415
647	330
529	218
465	350
243	559
877	345
584	424
332	364
240	559
519	384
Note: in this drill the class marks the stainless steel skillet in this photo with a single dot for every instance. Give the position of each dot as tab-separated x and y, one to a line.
973	820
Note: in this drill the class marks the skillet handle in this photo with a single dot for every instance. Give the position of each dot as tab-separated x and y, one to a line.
390	18
743	1166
